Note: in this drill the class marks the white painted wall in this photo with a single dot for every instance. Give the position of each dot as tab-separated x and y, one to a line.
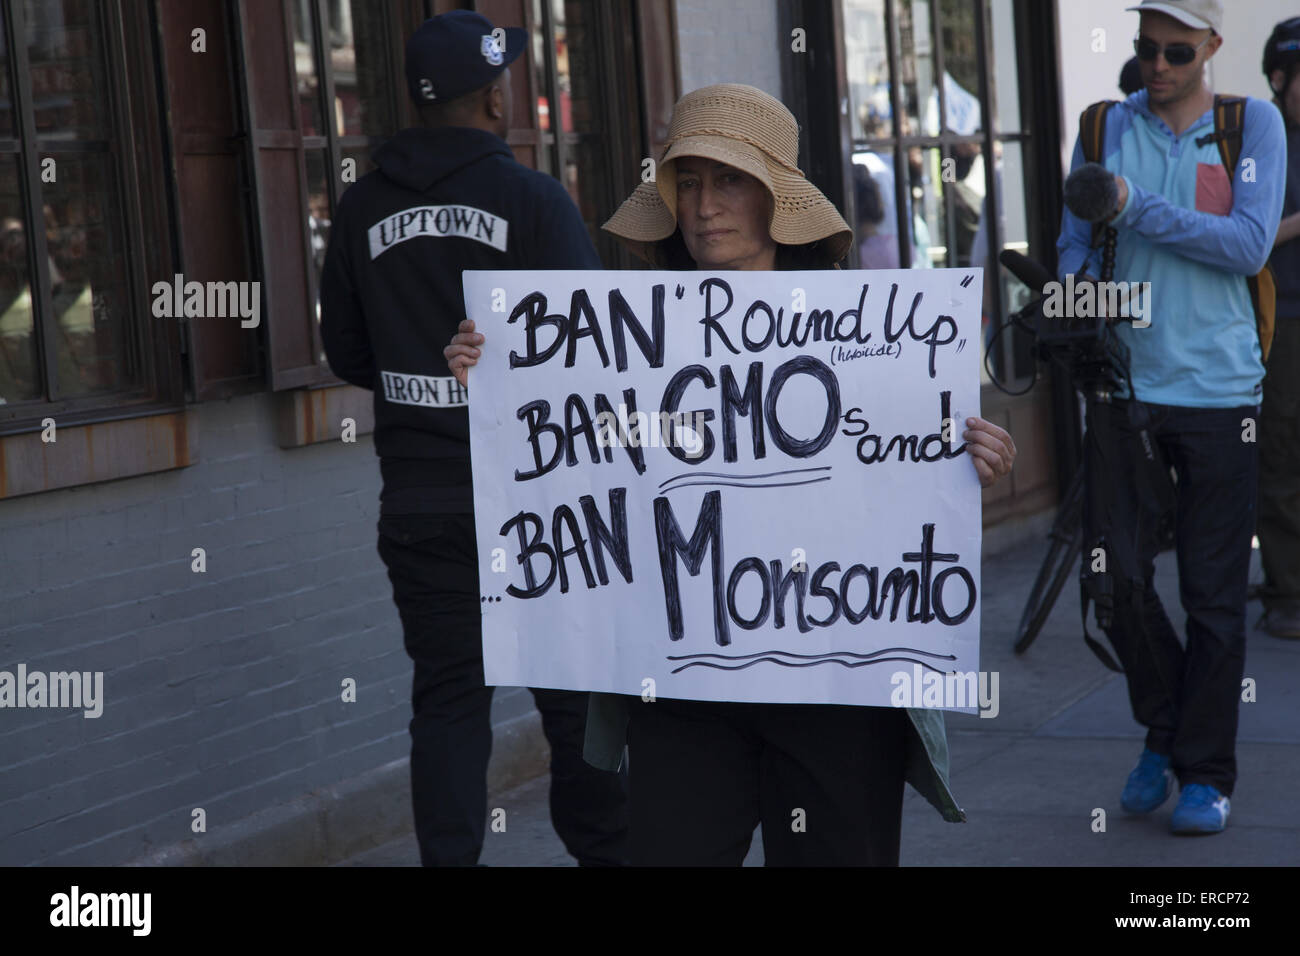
729	41
1089	74
1236	68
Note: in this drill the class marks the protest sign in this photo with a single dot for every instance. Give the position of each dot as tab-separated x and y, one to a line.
744	486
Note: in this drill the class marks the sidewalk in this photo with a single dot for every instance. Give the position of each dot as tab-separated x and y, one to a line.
1060	748
1065	741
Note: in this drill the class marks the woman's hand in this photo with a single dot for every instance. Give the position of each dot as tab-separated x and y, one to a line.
990	448
463	352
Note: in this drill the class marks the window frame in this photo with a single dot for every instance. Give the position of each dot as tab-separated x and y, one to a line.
333	142
283	371
612	27
897	146
151	351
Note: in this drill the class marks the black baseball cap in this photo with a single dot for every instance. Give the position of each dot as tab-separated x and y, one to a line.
456	53
1283	47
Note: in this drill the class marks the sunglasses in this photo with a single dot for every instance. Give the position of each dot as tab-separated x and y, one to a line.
1176	54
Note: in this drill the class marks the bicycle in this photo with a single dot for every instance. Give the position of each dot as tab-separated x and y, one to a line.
1066	539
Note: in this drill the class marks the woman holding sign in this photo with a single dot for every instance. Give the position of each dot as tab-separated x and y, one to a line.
825	781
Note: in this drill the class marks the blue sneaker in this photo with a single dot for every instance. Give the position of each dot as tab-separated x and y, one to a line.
1201	809
1149	785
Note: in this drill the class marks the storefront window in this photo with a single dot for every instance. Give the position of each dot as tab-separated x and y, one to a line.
867	64
916	67
579	115
75	197
358	85
358	54
925	192
20	377
304	65
347	103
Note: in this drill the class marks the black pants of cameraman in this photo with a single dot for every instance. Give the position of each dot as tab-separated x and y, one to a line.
1186	697
432	563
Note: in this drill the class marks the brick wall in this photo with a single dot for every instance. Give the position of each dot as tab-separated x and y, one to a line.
729	41
222	689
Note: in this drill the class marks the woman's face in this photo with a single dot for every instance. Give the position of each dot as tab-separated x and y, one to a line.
723	215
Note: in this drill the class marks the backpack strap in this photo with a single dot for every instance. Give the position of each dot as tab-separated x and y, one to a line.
1229	130
1092	139
1092	130
1229	133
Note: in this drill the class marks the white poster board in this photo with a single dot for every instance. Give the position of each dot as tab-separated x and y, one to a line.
808	527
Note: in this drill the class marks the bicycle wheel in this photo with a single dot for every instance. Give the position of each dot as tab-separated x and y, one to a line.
1066	539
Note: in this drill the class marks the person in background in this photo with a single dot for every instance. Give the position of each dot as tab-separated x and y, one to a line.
1195	232
448	196
1278	526
1130	78
877	242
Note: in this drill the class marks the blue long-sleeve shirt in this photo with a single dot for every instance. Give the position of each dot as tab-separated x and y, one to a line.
1195	234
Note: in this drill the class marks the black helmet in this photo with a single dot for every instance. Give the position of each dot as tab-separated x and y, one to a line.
1130	78
1282	49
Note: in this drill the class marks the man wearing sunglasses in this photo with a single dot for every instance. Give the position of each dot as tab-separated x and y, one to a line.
1195	232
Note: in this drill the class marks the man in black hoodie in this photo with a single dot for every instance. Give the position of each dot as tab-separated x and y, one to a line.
447	197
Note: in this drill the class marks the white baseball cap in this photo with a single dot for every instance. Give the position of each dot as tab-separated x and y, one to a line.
1199	14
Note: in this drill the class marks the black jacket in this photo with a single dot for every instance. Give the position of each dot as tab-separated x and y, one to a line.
441	201
1285	259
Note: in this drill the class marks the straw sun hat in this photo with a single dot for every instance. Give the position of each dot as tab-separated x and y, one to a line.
754	132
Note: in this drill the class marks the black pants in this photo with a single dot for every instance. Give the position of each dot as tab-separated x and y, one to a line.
433	565
825	781
1279	471
1187	698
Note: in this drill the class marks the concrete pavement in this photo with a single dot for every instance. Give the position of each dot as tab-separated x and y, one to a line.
1032	779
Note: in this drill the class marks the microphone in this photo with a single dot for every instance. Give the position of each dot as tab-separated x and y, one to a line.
1091	193
1026	270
